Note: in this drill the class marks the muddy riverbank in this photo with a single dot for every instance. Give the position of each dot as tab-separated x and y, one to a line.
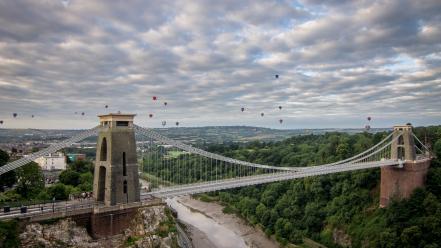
209	226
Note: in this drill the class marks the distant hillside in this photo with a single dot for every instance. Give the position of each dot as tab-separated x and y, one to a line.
211	134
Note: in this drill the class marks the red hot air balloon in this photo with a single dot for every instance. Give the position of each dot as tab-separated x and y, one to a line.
242	109
150	115
154	98
281	121
262	114
14	114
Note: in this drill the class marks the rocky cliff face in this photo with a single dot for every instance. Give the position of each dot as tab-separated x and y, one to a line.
341	238
151	227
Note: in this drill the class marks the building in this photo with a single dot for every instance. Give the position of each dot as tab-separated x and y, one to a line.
53	161
76	157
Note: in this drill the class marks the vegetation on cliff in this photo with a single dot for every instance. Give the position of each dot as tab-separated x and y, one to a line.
340	209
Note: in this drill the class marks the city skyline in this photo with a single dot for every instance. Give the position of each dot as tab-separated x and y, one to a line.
337	63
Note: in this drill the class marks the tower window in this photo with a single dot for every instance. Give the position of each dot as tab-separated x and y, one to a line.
122	123
103	152
125	187
124	164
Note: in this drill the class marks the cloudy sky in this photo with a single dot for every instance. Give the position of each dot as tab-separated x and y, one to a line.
338	61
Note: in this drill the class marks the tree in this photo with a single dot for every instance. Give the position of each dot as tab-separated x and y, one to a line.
411	236
82	166
58	191
433	182
437	149
70	177
30	180
86	182
342	149
9	231
8	179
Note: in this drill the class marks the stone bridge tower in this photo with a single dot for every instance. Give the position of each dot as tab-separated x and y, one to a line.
116	169
400	181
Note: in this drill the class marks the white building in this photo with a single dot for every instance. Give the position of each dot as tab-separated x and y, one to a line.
53	161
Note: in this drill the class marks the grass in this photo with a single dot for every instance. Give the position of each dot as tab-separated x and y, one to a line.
131	240
207	198
167	226
175	154
155	180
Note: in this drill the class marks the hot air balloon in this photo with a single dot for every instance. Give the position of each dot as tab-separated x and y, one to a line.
165	103
106	106
281	121
242	109
150	115
262	114
82	113
177	123
32	116
1	122
14	114
277	75
280	107
164	123
154	98
369	118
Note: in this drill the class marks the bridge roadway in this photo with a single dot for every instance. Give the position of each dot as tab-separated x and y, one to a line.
63	209
266	178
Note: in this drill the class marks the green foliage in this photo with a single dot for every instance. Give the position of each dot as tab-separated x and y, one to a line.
315	207
30	180
70	177
228	210
81	166
433	183
86	182
59	191
8	179
130	241
207	198
437	149
167	226
9	232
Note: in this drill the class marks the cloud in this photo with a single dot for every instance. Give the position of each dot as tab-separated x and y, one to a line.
338	62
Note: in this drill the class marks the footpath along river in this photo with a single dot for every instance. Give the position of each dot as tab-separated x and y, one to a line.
209	227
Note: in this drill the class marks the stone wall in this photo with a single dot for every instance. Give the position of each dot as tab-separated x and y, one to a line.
111	223
399	183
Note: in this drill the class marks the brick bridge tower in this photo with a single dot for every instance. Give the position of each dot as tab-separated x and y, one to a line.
398	182
116	170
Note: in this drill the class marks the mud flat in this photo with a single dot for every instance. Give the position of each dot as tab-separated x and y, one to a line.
222	230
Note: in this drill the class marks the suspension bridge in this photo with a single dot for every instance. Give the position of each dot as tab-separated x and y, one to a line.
174	168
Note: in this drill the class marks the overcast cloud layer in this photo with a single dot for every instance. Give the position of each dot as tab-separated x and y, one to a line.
338	61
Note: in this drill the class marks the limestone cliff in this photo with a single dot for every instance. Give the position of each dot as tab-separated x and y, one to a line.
151	227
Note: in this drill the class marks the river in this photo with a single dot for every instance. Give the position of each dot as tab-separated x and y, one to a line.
210	228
